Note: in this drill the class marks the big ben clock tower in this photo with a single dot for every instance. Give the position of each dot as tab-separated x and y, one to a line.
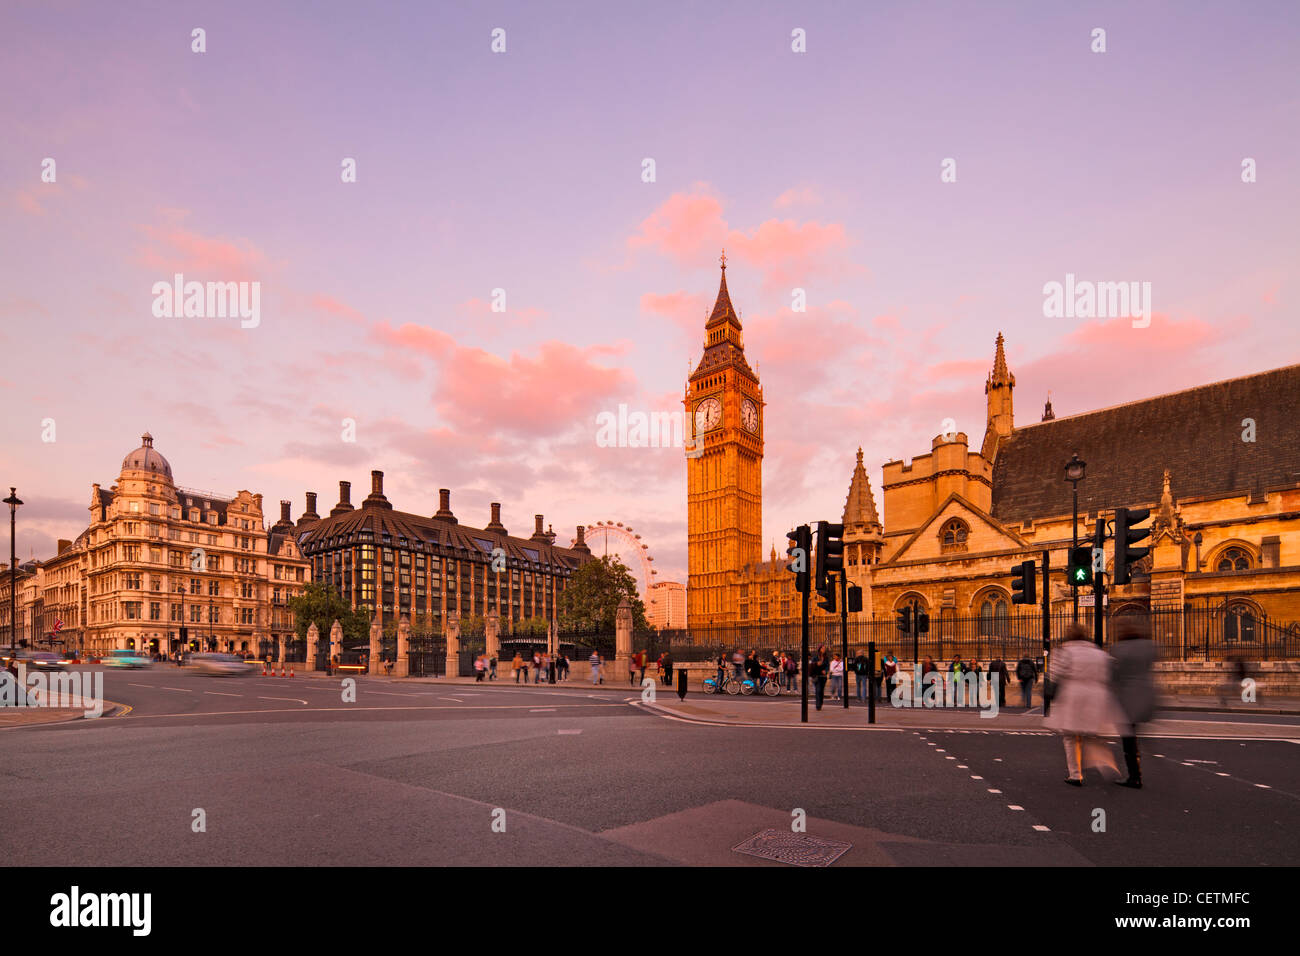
724	467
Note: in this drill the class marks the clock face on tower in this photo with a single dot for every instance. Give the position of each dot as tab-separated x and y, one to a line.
749	416
707	415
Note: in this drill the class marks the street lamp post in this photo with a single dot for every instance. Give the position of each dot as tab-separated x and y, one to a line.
13	501
1074	469
180	589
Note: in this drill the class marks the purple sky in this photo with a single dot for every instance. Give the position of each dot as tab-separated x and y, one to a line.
522	171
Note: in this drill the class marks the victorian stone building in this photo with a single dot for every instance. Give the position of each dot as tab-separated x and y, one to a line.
156	557
393	563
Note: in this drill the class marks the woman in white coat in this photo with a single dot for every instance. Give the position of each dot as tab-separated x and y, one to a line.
1083	707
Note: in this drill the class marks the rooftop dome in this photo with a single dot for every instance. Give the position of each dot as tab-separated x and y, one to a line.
146	458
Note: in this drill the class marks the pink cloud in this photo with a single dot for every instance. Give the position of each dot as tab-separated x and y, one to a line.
800	196
686	310
690	227
171	248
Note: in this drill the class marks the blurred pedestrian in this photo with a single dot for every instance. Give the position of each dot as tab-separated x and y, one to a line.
998	673
791	671
818	667
1134	654
1083	706
595	662
668	668
862	675
480	666
492	667
1027	674
754	670
888	675
515	664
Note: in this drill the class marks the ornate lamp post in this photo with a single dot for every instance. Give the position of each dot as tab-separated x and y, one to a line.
1074	469
13	501
180	589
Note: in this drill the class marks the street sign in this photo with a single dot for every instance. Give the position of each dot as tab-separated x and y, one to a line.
1089	600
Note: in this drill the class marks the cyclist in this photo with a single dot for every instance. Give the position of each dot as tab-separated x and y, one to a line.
753	669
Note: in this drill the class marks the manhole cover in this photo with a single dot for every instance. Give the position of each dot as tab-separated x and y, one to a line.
797	849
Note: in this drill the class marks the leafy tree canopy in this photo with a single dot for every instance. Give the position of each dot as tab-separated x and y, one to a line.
322	604
590	602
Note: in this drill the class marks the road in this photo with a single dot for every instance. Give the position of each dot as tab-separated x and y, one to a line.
285	771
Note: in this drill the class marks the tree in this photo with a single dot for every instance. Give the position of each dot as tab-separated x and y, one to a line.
322	605
590	601
533	627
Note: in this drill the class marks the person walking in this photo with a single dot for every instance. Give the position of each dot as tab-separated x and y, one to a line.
537	667
791	671
492	667
861	667
515	664
594	661
818	666
631	668
667	661
480	667
1083	707
837	677
998	674
889	667
954	678
1134	654
754	670
974	687
1027	674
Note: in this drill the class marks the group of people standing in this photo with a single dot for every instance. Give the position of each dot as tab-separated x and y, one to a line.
546	668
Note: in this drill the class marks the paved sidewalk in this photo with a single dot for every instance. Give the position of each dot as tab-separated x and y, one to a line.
785	713
26	716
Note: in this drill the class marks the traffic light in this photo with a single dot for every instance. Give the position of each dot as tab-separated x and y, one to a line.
1022	584
922	622
904	619
1078	569
1126	534
830	554
855	598
797	552
827	603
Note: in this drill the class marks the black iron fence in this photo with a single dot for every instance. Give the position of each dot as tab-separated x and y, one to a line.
1180	634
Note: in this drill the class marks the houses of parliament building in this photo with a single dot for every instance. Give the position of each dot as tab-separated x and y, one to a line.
1218	465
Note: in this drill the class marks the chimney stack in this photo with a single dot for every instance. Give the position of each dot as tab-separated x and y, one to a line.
495	524
284	512
345	499
581	544
376	498
538	533
444	506
64	545
309	516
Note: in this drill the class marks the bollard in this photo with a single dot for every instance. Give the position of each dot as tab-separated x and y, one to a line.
871	682
681	684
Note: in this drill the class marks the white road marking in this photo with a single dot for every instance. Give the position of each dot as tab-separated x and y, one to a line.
570	731
217	693
949	758
1220	773
541	710
456	699
991	790
973	777
1263	786
294	699
182	690
1012	806
1039	826
962	766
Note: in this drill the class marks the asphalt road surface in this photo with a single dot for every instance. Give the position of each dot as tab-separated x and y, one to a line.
285	772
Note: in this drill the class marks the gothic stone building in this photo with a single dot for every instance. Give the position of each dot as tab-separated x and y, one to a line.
1218	465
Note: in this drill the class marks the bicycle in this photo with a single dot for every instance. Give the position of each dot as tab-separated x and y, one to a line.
767	683
729	684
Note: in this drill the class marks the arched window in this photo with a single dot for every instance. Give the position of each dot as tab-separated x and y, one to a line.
953	535
1239	623
1234	559
994	613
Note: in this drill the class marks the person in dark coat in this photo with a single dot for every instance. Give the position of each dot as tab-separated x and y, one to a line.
668	668
1027	673
1134	654
819	666
998	669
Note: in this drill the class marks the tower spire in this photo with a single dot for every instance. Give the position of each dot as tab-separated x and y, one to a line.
723	311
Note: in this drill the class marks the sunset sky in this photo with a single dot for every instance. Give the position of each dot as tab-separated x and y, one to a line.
522	171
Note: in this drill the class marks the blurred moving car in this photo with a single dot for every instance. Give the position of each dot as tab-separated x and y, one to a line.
125	658
38	660
222	665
